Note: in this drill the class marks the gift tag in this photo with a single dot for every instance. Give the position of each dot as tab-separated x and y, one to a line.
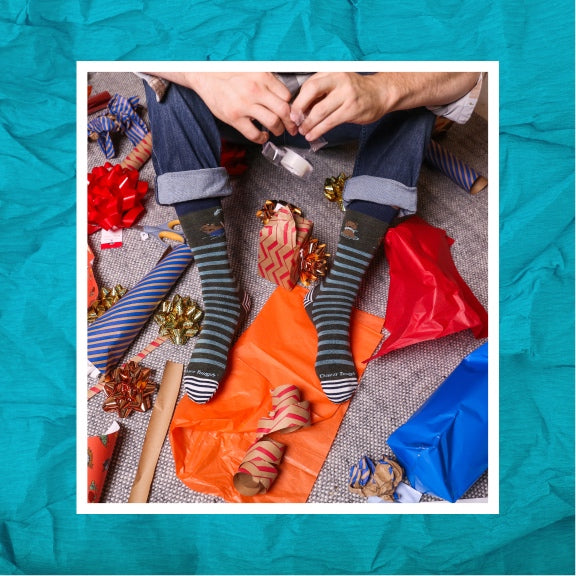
111	239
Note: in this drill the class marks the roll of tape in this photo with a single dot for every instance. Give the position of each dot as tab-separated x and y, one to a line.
295	164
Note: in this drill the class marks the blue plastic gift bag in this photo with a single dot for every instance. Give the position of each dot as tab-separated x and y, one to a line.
443	447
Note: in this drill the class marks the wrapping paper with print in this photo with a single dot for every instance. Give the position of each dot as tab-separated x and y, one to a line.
427	298
280	241
100	451
112	333
443	447
210	441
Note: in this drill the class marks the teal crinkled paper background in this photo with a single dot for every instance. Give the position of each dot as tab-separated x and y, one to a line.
40	42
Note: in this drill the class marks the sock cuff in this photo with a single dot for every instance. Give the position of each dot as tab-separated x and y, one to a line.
362	229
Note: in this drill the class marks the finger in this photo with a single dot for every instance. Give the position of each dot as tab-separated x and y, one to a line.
246	127
268	119
325	115
313	89
281	111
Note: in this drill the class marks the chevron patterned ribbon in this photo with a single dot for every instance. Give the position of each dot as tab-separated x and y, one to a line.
260	466
289	412
459	172
110	335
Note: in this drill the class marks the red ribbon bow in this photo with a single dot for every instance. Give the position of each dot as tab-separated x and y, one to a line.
114	197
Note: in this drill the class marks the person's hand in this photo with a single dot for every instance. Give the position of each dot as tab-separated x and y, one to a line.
239	98
328	99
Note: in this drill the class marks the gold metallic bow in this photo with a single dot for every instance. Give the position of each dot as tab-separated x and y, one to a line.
313	260
128	390
334	188
179	319
108	297
269	209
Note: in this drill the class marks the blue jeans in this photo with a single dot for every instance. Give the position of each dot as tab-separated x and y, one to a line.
187	143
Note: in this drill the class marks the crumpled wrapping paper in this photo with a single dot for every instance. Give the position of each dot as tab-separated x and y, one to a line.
427	298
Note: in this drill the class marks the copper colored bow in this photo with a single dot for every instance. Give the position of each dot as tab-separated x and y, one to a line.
179	319
269	209
107	298
334	188
128	390
313	261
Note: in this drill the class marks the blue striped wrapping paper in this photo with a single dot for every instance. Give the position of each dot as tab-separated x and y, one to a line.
110	335
459	172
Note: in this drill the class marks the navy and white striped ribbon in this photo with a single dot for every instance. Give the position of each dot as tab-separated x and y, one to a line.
110	335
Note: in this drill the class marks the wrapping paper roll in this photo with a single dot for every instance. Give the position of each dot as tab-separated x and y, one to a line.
459	172
100	451
110	335
140	154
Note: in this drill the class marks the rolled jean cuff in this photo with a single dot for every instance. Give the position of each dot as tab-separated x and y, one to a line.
174	187
381	191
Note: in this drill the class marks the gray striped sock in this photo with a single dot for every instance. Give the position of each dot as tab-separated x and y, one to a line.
205	234
331	306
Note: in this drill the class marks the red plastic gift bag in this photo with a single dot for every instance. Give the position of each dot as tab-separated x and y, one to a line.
427	297
209	441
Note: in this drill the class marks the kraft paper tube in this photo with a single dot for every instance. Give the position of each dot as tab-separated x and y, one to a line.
157	430
139	154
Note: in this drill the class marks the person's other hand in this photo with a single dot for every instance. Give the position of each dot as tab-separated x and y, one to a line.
328	99
240	98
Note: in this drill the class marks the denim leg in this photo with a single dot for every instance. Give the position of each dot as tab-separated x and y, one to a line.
186	148
389	159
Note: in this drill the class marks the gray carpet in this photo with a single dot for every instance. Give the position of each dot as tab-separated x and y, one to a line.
393	387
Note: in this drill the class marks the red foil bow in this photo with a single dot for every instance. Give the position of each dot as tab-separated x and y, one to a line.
128	390
114	197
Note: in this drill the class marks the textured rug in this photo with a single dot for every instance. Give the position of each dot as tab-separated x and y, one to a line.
393	387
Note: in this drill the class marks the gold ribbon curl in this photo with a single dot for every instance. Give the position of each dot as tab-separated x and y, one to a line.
334	188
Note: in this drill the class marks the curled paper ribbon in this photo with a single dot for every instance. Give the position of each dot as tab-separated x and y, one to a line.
259	469
128	390
289	412
313	261
114	197
334	189
179	319
106	299
380	479
260	466
140	154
